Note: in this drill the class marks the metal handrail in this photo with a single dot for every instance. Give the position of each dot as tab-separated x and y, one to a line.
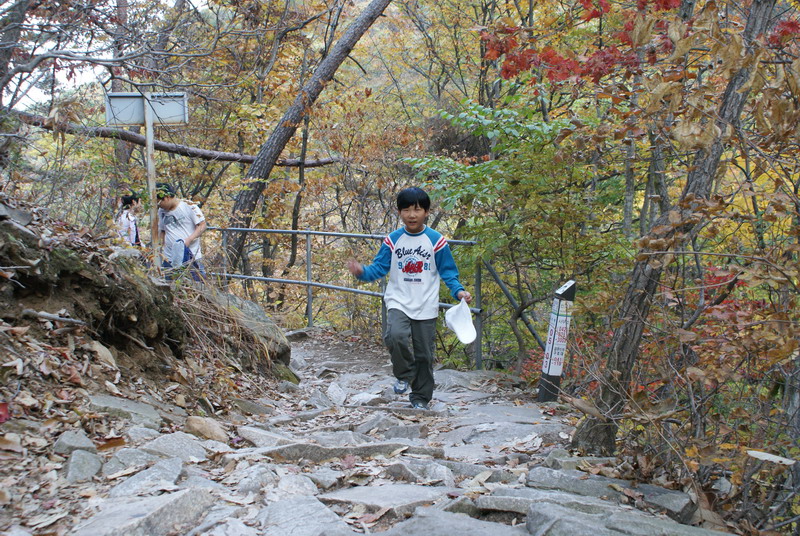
309	284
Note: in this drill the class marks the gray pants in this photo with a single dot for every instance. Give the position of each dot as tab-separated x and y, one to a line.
411	345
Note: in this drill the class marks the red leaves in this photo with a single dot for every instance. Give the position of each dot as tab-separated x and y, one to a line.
517	62
666	5
605	61
496	47
559	68
785	31
594	8
5	413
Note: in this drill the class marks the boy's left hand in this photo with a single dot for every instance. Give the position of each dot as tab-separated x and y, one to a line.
464	295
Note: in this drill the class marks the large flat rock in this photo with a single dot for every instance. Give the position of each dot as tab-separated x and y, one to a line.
676	504
400	499
152	516
434	522
165	472
300	516
519	500
453	380
497	434
549	519
318	453
178	444
138	412
499	413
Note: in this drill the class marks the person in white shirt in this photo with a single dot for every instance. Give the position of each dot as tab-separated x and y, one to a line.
180	225
416	258
127	221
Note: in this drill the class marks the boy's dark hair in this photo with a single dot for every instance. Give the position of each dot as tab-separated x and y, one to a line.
128	200
413	196
164	189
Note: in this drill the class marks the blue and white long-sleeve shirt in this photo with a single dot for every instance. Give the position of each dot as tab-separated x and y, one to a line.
415	264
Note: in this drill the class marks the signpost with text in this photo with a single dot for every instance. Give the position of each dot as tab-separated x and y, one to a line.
556	346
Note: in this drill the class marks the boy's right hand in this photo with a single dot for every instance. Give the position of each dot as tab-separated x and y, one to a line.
355	267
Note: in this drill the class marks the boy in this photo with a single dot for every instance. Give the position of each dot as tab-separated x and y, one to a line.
179	227
416	258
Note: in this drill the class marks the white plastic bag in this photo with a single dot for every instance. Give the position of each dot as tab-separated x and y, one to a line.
176	254
459	320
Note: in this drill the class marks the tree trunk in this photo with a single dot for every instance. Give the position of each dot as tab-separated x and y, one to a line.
259	172
10	33
122	149
598	436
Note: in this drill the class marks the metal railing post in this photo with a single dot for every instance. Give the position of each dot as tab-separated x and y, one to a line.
225	257
478	319
309	292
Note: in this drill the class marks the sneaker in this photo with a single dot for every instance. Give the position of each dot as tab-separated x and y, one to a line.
419	404
400	387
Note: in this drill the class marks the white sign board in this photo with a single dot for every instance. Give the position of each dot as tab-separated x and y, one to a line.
127	109
560	316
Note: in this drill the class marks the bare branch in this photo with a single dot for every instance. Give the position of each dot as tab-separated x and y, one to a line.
173	148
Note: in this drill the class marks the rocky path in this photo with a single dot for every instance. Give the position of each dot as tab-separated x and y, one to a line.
341	454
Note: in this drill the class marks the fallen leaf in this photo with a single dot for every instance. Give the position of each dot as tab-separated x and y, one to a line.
125	472
112	443
372	518
103	354
26	399
111	388
73	376
397	451
45	520
10	444
16	363
633	494
585	407
248	499
5	412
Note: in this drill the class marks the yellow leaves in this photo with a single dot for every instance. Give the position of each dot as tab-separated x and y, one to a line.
686	336
692	135
676	31
584	407
708	18
792	75
681	41
661	90
642	30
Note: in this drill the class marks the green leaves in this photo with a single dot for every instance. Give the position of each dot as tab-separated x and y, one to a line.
503	126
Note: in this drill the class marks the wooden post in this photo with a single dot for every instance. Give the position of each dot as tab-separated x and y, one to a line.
151	178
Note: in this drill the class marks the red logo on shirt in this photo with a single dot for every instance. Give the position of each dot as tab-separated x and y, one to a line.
412	266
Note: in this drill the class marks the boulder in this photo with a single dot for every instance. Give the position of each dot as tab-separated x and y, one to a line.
258	323
205	427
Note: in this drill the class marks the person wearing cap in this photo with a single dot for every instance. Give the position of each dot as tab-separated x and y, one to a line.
127	221
416	258
180	225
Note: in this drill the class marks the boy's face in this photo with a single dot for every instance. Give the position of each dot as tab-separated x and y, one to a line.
414	218
167	203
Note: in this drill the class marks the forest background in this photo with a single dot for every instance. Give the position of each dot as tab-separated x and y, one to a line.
647	150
